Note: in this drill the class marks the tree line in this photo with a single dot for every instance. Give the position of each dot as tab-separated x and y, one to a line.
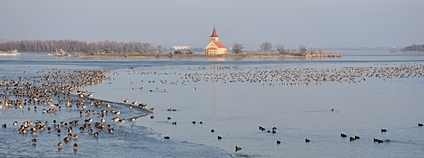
73	46
267	46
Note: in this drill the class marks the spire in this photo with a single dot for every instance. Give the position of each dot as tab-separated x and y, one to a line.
214	32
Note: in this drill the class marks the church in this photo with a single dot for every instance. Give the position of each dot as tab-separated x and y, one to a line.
215	47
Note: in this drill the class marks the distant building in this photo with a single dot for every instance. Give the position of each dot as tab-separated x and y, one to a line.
215	47
181	47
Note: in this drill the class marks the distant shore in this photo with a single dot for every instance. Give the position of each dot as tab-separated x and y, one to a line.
316	55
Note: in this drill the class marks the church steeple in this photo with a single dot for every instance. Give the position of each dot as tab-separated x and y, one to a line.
214	36
214	32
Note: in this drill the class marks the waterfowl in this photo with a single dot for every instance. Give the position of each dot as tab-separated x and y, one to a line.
60	144
238	148
383	130
15	123
111	130
75	146
307	140
34	141
76	136
174	123
387	140
357	137
212	130
201	122
168	118
343	135
166	137
193	122
278	142
261	128
352	138
420	124
96	135
4	125
152	117
219	137
66	139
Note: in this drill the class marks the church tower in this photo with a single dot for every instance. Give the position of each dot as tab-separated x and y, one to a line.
215	47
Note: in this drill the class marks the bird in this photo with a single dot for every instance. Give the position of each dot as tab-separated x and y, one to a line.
60	144
34	141
194	122
4	125
75	146
343	135
420	124
126	100
278	142
212	130
219	137
307	140
383	130
238	148
166	137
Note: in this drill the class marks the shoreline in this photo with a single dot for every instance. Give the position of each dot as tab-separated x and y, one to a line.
323	55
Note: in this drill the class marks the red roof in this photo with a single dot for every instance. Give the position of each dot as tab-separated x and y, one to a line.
211	48
219	44
214	32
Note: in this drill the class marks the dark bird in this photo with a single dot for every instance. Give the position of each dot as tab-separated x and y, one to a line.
194	122
212	130
307	140
383	130
343	135
278	142
166	137
420	124
219	137
238	148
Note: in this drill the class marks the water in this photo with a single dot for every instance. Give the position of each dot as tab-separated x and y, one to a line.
234	110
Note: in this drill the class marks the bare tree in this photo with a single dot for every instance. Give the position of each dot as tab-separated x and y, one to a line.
159	48
280	49
237	48
265	47
302	49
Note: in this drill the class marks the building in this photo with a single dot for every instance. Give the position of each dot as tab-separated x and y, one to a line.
181	47
215	47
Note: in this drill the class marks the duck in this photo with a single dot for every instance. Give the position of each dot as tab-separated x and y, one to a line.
219	137
174	123
111	130
352	138
420	124
4	125
307	140
34	141
383	130
212	130
278	142
357	137
193	122
60	144
133	119
343	135
238	148
96	135
166	137
75	146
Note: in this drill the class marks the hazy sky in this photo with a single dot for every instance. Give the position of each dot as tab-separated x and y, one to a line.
323	23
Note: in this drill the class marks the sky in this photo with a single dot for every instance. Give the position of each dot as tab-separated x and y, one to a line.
318	23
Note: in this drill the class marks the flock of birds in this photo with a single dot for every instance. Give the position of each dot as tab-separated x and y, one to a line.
52	92
58	89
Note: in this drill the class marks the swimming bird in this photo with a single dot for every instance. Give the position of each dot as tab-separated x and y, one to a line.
343	135
96	135
383	130
60	144
278	142
238	148
4	125
219	137
75	146
34	141
126	100
166	137
212	130
420	124
133	119
307	140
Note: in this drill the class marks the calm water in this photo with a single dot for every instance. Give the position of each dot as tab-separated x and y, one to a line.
234	110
